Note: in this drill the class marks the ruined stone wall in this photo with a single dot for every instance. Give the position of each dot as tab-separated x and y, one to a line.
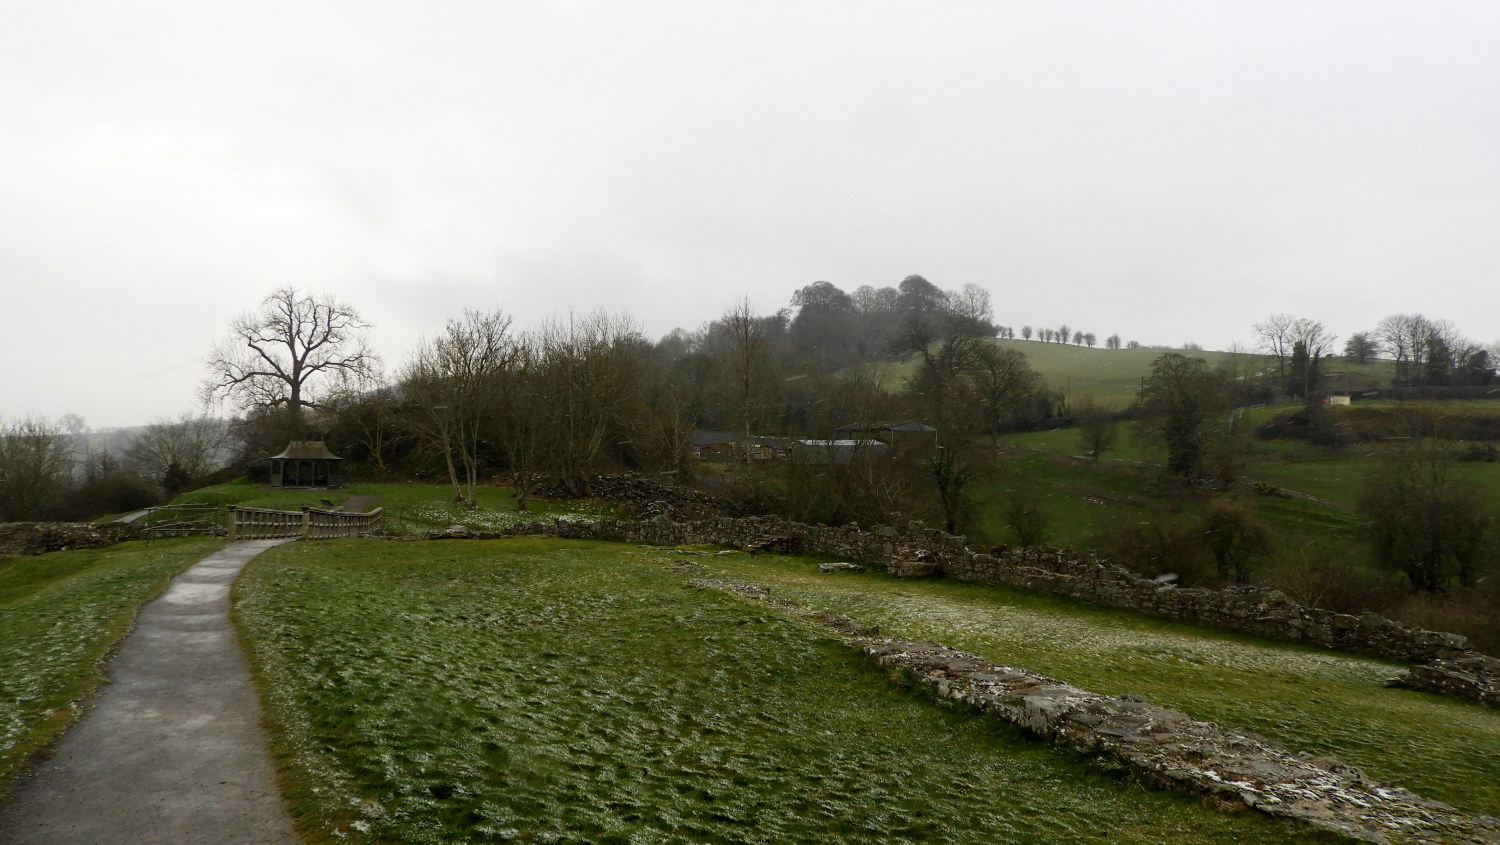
35	538
1250	610
1236	769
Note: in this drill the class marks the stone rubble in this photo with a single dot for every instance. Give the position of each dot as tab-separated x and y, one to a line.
1476	677
828	568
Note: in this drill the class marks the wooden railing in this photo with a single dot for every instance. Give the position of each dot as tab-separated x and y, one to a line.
309	523
180	521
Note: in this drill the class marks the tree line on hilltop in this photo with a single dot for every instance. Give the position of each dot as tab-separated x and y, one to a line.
484	399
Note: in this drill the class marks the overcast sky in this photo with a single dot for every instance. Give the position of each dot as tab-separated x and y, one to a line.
1171	172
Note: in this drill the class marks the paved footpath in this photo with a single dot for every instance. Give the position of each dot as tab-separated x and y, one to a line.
171	749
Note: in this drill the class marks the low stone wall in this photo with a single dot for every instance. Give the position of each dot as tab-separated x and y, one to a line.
1236	768
1249	610
1063	572
644	497
35	538
1476	676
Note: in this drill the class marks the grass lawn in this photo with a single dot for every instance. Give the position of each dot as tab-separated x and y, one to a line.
1310	699
415	508
242	492
537	690
410	508
60	614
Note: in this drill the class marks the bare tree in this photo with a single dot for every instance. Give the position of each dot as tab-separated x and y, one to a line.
941	388
1311	334
1405	338
277	357
1275	336
1280	335
1424	521
969	308
36	462
1185	400
523	427
586	389
453	380
744	352
368	412
174	454
1003	382
1235	535
1097	429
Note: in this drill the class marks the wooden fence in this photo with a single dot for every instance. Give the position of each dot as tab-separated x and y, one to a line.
308	524
180	521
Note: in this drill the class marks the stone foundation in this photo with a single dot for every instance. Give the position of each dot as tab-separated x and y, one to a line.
1064	572
1236	768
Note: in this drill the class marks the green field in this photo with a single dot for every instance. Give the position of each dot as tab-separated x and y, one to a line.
60	614
538	690
409	508
1112	377
1075	487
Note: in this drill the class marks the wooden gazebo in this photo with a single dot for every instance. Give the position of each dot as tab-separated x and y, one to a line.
305	463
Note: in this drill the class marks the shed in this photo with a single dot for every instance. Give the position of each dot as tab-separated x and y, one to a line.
305	463
836	451
905	438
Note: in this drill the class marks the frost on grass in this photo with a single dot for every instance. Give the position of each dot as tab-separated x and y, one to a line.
442	514
587	695
59	614
1308	698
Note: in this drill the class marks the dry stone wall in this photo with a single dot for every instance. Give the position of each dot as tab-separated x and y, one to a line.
35	538
1452	667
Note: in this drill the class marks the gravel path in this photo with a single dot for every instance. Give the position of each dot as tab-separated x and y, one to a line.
171	749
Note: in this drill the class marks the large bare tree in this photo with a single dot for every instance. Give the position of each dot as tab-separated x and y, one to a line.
1405	338
589	367
745	350
277	357
455	383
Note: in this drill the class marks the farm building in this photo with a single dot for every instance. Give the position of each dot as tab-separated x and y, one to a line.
732	445
905	437
835	451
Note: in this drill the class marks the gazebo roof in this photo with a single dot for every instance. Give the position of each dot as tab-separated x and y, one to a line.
306	450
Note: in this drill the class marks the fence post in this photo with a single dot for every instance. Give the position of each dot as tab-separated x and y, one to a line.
306	521
231	524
